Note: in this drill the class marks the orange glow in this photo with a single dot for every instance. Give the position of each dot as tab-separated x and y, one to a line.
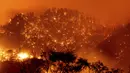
108	11
22	56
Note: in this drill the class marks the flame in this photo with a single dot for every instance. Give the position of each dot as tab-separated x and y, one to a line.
22	56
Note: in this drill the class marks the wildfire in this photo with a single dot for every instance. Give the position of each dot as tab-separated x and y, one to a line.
13	55
22	56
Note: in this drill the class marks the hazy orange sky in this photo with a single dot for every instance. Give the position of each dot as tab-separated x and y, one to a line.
107	11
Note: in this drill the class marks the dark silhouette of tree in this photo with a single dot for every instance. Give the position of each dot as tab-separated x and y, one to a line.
62	56
56	65
16	26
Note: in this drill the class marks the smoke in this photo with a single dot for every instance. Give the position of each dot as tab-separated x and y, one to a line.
108	11
10	7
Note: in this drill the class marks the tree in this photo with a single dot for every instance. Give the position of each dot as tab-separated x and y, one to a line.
75	30
74	64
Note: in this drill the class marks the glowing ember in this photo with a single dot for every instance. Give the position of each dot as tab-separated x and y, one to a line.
31	56
23	56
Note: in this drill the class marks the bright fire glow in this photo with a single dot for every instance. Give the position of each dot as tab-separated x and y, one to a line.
23	56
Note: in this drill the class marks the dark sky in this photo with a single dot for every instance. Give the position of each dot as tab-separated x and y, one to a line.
107	11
